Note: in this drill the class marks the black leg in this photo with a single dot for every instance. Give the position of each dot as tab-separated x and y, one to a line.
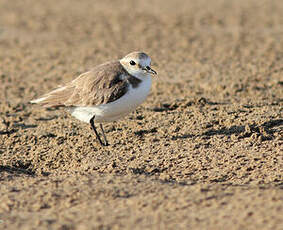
105	140
94	129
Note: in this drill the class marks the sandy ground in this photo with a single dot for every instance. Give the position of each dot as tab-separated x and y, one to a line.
203	152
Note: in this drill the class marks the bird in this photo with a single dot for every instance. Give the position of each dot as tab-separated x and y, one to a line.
106	93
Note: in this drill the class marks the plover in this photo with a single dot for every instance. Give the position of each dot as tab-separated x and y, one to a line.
106	93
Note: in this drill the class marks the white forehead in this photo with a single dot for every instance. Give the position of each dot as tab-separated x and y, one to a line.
139	57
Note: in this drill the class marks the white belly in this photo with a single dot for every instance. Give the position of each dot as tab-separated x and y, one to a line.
116	109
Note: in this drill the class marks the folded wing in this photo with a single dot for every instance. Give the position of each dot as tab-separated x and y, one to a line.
102	85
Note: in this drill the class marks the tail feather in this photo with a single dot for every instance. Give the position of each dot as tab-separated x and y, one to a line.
38	101
55	98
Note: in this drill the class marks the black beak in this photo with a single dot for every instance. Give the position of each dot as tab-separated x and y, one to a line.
149	70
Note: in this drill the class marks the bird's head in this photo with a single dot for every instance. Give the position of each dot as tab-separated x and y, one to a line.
138	64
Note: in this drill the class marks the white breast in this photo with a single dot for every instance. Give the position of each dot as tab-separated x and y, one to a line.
116	109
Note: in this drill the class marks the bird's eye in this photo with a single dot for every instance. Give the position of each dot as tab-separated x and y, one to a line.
132	62
148	68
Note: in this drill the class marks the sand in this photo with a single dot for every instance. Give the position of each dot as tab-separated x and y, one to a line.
203	152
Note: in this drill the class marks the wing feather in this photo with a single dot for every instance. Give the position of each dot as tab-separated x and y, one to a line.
101	85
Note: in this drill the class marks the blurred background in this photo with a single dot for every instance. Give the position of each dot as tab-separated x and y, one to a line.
211	42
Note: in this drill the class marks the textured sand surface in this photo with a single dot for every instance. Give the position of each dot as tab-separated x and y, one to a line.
203	152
